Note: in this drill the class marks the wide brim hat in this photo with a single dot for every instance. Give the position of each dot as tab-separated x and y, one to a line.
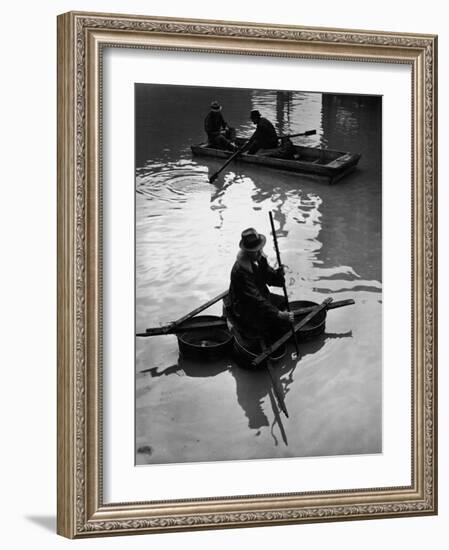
252	241
215	106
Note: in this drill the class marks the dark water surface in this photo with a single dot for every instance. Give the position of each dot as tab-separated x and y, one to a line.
187	234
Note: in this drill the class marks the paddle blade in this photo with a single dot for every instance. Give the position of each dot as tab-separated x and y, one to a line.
310	133
213	177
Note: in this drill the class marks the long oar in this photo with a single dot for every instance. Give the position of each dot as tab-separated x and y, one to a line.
284	288
230	159
174	324
260	358
308	133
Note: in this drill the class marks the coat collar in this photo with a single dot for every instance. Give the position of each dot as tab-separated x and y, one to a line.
244	261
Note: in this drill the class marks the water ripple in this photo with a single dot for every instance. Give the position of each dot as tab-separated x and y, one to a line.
171	182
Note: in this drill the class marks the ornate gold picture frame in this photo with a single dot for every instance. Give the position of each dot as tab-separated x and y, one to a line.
82	509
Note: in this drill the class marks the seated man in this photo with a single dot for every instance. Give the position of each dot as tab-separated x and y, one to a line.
265	136
219	135
255	311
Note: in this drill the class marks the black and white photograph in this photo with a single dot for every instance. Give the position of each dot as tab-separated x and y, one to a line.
258	274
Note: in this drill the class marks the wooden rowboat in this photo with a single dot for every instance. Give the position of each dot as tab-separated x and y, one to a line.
326	164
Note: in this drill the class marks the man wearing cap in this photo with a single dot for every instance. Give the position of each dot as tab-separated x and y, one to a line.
265	136
218	132
250	304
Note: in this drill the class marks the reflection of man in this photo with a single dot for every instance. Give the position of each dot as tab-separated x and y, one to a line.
218	132
250	304
264	137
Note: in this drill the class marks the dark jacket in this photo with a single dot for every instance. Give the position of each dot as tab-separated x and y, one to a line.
249	298
265	134
213	123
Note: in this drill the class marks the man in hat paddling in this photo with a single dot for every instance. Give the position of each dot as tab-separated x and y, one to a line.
219	134
265	136
254	309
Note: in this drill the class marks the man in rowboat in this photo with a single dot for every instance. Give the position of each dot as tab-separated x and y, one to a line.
250	305
265	136
219	134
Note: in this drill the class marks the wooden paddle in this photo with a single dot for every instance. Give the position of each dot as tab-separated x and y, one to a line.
230	159
308	133
260	358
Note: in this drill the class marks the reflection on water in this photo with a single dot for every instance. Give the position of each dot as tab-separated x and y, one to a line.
187	234
253	388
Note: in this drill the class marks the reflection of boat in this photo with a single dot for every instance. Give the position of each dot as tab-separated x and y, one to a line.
326	164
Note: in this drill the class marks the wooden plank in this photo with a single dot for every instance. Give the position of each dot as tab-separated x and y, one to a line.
331	305
194	312
170	329
260	358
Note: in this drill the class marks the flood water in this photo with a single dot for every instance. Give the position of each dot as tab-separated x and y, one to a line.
187	235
